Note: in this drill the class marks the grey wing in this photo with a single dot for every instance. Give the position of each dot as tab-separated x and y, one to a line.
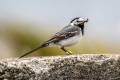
65	33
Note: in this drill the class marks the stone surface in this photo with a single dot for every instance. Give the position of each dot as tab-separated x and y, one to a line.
73	67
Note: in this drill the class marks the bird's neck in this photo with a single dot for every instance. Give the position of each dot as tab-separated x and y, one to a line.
82	29
81	26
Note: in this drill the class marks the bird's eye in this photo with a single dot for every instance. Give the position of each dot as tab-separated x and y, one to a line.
77	21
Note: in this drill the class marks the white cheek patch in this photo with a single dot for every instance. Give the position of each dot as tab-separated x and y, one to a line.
72	24
80	19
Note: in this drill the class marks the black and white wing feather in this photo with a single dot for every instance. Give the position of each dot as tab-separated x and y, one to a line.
65	33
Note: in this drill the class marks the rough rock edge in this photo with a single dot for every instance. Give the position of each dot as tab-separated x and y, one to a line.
73	67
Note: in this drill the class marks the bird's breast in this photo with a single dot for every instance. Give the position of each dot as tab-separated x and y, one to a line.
70	41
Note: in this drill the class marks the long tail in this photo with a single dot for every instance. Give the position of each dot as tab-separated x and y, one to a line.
35	49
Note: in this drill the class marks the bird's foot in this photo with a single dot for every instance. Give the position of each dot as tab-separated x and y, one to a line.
66	51
69	52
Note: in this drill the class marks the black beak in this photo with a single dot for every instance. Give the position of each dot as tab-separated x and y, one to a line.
86	20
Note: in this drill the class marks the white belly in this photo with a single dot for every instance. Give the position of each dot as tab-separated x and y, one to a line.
70	41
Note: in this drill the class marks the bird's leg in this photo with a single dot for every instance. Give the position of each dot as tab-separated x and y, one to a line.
68	52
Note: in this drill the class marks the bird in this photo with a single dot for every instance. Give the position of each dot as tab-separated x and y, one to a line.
66	37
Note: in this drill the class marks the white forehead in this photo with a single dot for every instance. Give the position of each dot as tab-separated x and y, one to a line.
80	19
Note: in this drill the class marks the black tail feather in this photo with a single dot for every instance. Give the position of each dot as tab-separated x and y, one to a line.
42	46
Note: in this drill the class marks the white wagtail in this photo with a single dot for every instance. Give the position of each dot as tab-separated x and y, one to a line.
68	36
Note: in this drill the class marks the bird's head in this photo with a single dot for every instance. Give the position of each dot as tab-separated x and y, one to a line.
78	21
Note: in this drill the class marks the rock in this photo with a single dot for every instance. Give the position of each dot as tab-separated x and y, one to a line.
72	67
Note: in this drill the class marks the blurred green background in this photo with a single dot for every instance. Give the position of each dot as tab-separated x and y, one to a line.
26	24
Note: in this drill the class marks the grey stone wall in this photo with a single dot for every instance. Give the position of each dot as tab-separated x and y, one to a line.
73	67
